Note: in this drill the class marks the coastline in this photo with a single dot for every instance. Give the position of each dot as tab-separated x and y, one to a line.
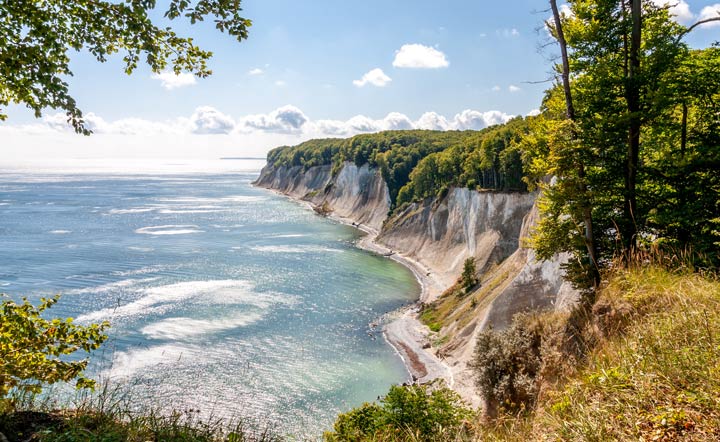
404	332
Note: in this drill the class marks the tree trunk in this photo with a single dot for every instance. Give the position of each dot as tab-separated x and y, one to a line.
633	145
570	113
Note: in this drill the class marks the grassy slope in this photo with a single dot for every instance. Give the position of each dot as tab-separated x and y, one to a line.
654	373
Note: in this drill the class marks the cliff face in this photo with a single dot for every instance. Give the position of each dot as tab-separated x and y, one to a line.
357	194
442	233
439	234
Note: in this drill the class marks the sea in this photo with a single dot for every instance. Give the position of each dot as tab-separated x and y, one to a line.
224	299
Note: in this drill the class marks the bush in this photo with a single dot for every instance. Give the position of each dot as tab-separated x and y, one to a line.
506	365
423	411
31	349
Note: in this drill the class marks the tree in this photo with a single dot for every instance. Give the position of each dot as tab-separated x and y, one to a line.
37	36
583	197
615	136
468	280
33	350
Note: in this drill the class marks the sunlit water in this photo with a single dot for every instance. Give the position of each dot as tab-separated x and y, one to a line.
222	297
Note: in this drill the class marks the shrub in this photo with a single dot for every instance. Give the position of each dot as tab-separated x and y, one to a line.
426	412
31	348
506	365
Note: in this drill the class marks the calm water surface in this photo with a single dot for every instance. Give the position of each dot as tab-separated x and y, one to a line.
222	297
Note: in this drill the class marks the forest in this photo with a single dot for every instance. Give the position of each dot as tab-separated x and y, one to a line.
418	164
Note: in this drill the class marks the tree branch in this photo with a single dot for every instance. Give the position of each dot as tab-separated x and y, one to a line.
701	22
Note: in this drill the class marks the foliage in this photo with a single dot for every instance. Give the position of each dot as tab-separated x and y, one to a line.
417	164
35	38
32	348
674	191
506	365
308	154
107	418
417	412
468	278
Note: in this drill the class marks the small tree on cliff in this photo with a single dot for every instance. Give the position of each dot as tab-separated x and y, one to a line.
468	279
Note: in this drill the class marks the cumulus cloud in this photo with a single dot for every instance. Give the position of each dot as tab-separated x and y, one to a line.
533	113
472	119
513	88
375	77
207	120
432	121
286	119
169	80
419	56
679	10
398	121
361	123
256	71
280	83
712	11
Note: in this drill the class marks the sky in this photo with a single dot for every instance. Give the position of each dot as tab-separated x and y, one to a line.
325	68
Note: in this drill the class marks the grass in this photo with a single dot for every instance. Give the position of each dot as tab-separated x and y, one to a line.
654	373
108	417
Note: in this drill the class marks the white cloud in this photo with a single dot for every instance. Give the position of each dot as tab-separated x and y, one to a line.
533	113
513	88
712	11
207	120
375	77
287	123
496	88
286	119
419	56
472	119
280	83
397	121
361	123
169	80
679	10
256	71
566	11
432	121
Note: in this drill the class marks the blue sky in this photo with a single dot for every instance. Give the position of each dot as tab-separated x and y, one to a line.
300	75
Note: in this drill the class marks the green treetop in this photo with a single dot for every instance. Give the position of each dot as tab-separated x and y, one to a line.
36	38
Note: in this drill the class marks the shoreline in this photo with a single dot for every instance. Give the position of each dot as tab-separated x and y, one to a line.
404	332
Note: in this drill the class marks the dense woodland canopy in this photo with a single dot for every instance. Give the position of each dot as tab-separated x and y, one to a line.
418	164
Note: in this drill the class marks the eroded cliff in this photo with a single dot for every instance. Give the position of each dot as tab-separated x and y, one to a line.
439	234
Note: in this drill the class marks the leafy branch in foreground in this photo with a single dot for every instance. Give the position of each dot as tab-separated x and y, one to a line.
31	348
35	38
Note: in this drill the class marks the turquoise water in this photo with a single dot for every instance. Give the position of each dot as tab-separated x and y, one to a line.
222	297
